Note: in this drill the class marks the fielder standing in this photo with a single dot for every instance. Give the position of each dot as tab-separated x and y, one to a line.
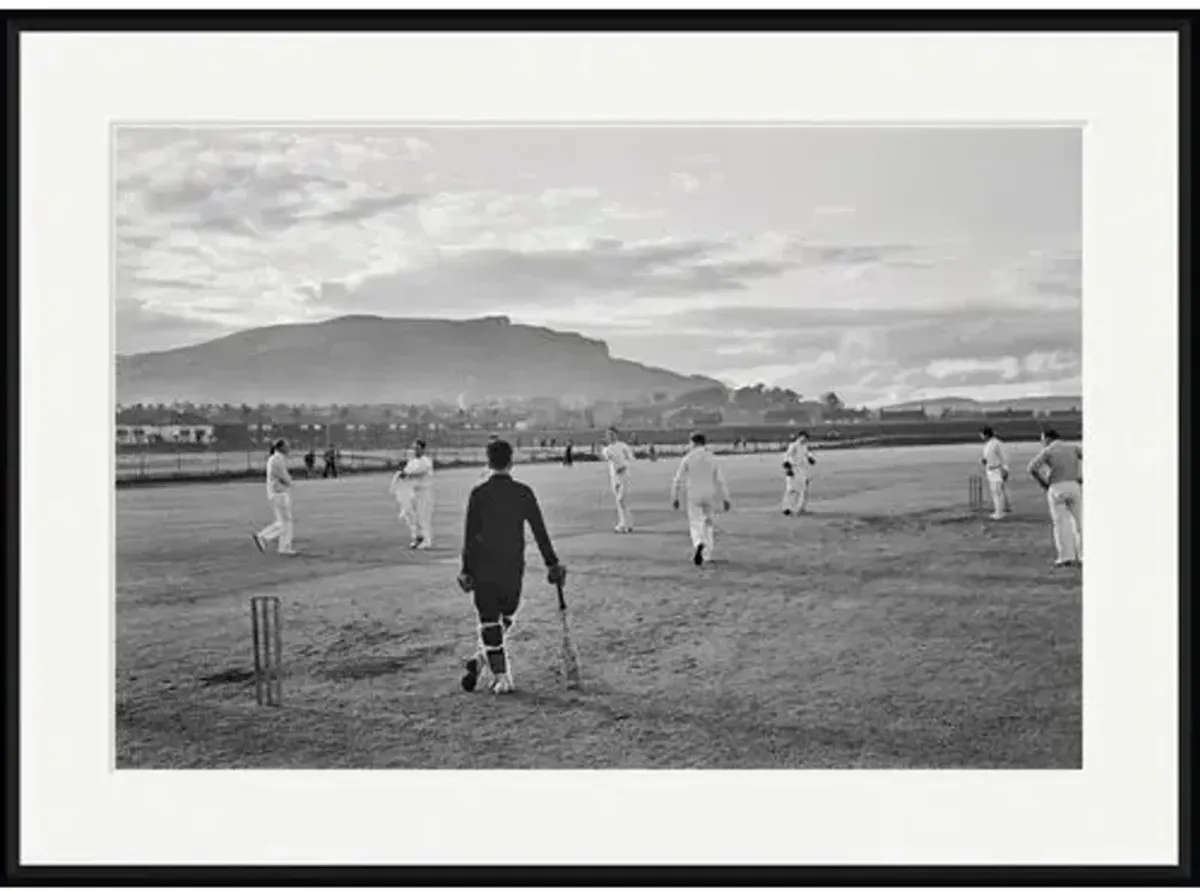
700	473
493	563
995	469
279	487
1058	469
620	458
797	460
412	486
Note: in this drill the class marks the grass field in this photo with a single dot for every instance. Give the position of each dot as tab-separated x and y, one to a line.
891	628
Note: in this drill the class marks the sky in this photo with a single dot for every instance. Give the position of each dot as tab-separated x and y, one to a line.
887	264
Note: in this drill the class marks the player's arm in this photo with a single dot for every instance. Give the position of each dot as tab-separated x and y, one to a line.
677	481
281	473
1035	468
471	535
533	516
720	485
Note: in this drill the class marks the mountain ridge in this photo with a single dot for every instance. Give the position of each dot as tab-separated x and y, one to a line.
367	358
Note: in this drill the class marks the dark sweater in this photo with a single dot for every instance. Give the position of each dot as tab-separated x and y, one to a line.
494	540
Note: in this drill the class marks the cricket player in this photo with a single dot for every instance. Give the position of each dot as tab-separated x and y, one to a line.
620	458
493	563
1058	469
797	460
995	469
700	474
279	494
412	486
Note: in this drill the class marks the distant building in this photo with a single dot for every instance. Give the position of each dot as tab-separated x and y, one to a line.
148	425
175	434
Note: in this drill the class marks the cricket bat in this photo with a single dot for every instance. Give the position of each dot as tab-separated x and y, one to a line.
570	657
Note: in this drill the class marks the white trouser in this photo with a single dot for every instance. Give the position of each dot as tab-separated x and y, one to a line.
281	529
620	488
1001	500
700	523
1066	514
795	492
416	509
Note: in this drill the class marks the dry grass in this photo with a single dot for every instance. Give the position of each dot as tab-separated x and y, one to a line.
888	629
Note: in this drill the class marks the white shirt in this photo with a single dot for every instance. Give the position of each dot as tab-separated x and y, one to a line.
701	473
1058	462
797	454
279	482
419	472
993	455
619	457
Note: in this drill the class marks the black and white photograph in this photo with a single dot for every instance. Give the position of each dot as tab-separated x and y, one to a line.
671	440
790	416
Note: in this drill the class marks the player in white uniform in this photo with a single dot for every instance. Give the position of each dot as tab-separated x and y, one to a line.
700	473
797	460
620	458
412	486
1058	469
995	469
279	487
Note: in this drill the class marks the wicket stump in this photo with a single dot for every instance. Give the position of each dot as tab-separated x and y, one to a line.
268	650
975	496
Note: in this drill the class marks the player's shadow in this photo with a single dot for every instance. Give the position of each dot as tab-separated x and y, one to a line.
232	676
386	665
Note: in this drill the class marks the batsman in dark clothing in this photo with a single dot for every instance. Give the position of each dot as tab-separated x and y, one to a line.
493	562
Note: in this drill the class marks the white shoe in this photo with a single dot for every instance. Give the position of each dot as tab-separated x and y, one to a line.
423	545
288	552
503	685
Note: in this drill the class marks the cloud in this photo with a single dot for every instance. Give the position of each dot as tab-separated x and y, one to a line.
219	229
140	328
682	182
867	353
1042	277
1007	368
480	279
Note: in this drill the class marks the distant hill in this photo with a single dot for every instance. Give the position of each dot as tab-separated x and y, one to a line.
1037	404
371	359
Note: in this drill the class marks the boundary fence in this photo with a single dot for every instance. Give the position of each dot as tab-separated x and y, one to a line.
161	464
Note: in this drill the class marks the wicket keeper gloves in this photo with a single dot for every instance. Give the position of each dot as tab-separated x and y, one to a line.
556	575
788	470
466	582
